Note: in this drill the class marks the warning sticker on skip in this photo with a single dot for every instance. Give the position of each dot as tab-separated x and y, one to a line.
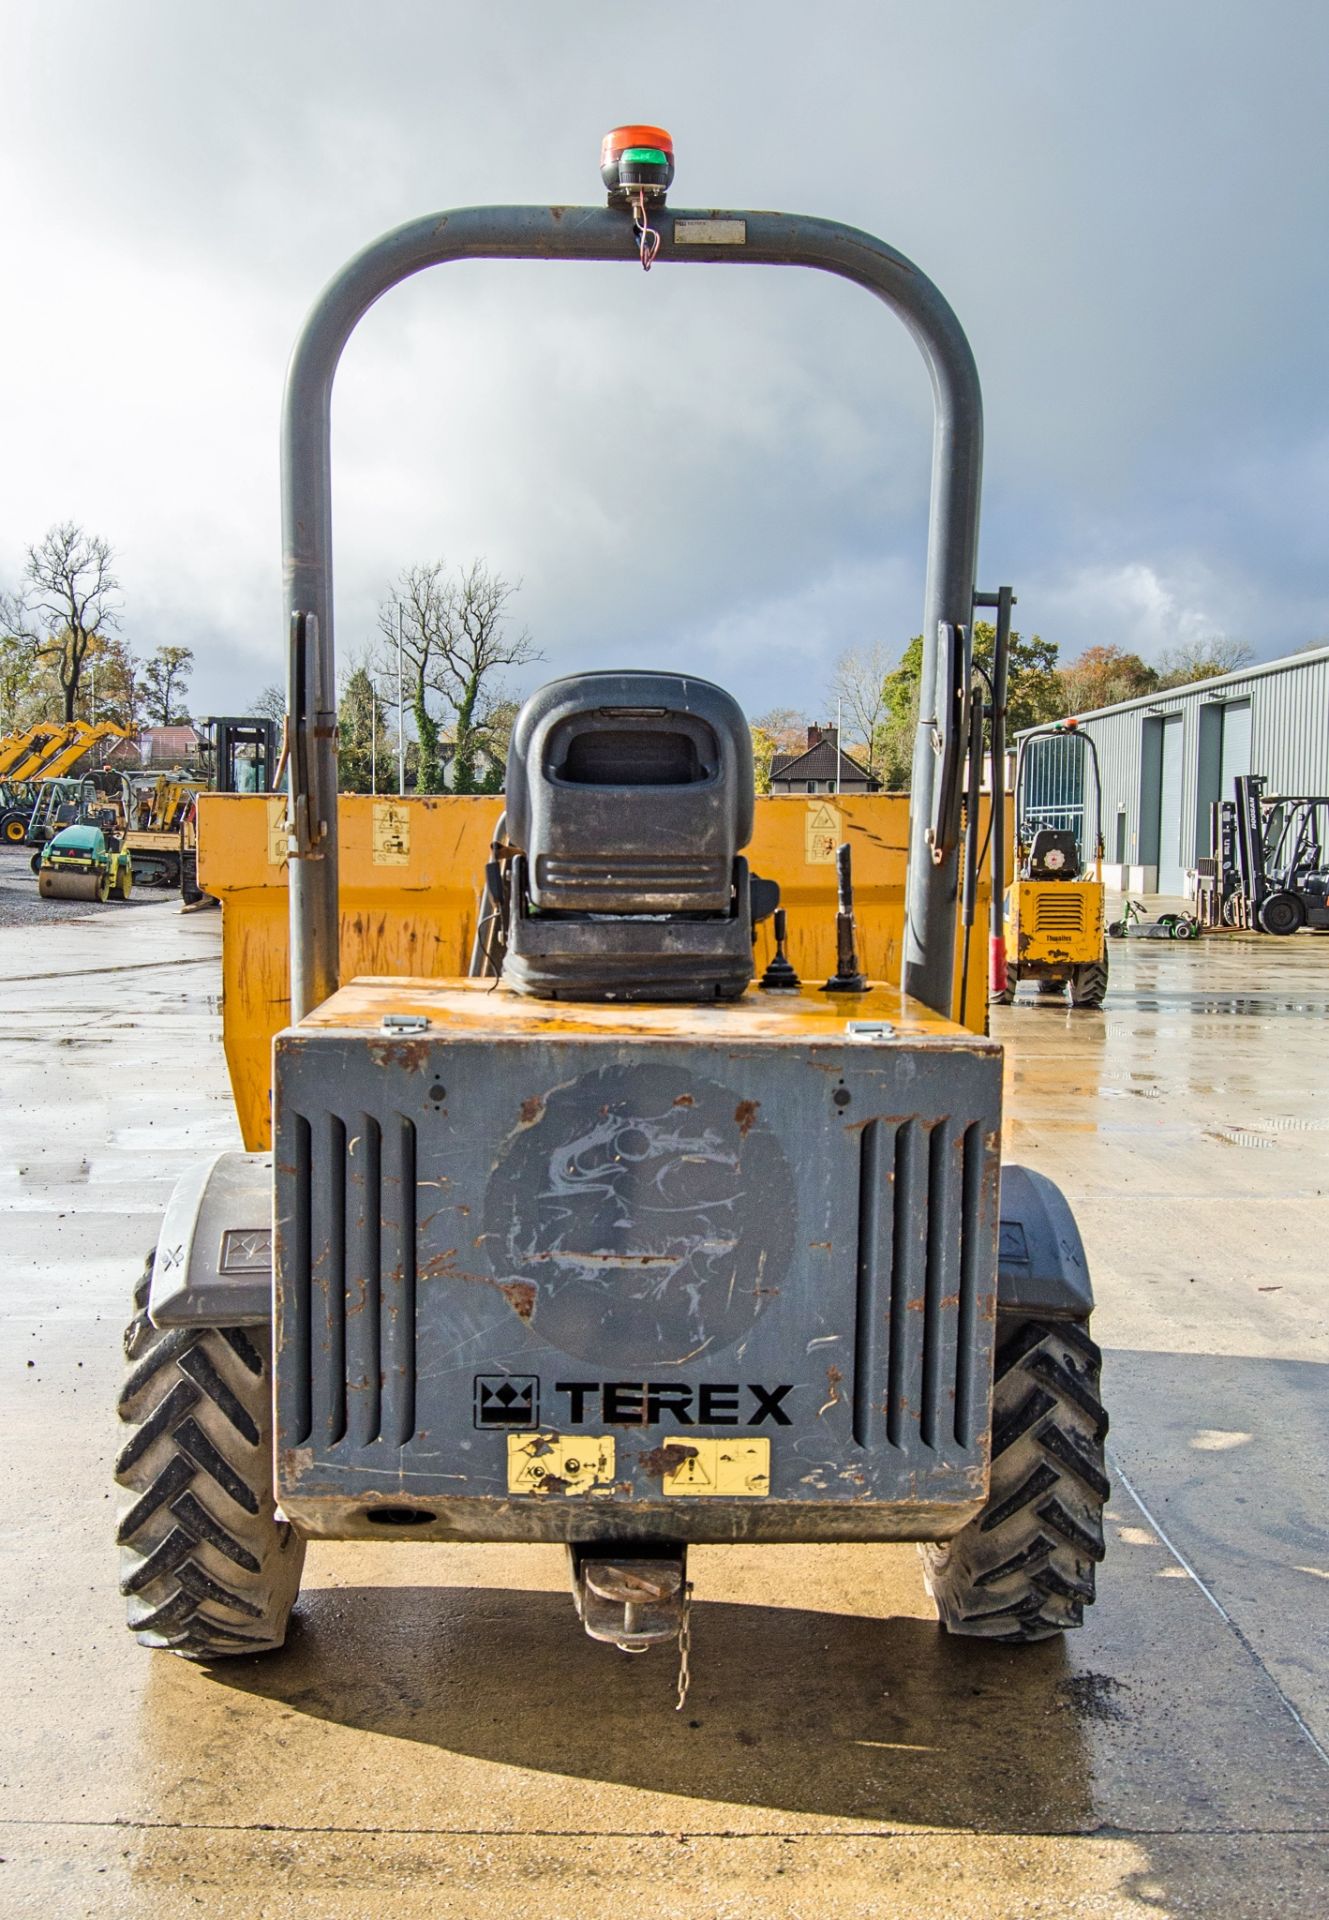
822	833
733	1469
555	1463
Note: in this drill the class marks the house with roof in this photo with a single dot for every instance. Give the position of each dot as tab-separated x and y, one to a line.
821	767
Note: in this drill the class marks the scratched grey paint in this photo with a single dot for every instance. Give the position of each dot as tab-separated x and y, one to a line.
621	1210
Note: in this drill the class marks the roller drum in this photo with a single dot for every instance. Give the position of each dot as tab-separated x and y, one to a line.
54	885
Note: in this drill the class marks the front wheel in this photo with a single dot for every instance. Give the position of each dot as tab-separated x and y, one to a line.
1282	913
206	1567
14	829
1024	1568
124	884
1089	983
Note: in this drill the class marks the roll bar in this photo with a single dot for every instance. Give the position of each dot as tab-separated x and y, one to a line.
1060	730
706	237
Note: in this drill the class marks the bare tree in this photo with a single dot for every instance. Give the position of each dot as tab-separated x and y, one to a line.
456	639
269	703
69	598
859	685
475	644
1202	660
414	613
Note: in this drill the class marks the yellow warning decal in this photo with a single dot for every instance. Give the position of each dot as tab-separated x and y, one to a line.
559	1462
732	1469
823	830
392	834
278	837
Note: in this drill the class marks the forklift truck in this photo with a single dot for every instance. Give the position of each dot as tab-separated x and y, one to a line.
608	1245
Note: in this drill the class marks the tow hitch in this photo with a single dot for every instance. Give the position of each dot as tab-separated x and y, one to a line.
634	1603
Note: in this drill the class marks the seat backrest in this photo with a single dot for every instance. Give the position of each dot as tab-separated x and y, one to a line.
630	793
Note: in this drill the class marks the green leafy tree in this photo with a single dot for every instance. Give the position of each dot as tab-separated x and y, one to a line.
1104	674
166	677
113	685
361	735
1034	695
23	682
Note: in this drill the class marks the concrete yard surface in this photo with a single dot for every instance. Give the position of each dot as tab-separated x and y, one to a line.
439	1738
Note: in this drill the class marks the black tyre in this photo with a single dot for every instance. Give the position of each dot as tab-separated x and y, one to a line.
190	891
1006	997
14	829
1282	913
1024	1568
206	1567
1089	983
1116	929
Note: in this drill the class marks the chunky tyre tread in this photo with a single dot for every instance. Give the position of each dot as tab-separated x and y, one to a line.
1089	983
1023	1569
207	1568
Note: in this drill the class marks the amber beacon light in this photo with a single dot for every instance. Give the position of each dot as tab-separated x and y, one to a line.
637	161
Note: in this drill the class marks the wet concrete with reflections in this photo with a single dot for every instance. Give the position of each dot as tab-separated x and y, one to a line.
439	1738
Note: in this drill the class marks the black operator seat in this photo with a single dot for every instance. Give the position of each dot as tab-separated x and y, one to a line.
1054	855
630	792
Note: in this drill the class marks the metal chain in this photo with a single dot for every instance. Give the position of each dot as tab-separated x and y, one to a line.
648	240
684	1646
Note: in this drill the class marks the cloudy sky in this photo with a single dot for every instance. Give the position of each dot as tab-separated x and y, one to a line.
1127	205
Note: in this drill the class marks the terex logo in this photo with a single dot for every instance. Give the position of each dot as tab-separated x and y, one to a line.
634	1403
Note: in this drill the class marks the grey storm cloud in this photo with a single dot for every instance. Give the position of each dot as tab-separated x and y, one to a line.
728	472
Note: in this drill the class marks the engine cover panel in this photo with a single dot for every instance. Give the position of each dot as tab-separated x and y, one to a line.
699	1273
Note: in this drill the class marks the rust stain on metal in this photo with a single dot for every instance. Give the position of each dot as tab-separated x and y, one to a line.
411	1054
532	1109
745	1116
439	1266
666	1459
520	1296
833	1379
685	1100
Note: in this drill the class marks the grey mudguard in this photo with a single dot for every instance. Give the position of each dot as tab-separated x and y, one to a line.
213	1265
1041	1266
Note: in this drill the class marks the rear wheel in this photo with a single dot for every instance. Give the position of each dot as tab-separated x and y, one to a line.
1089	983
1282	913
104	887
206	1567
124	883
1024	1568
14	829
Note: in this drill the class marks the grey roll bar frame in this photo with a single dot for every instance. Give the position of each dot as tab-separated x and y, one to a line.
707	237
